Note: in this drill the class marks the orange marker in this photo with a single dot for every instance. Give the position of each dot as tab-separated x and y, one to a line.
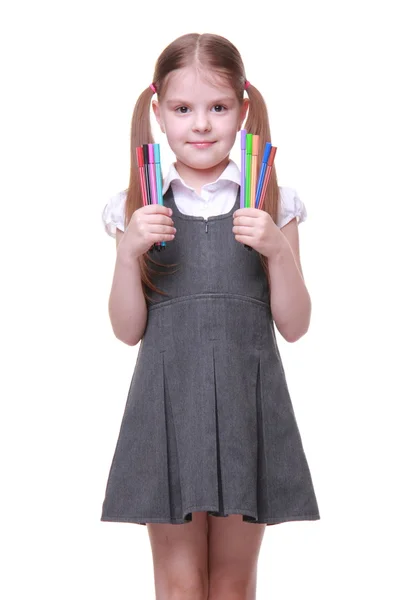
254	165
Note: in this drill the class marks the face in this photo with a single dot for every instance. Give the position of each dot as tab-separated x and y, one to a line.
201	117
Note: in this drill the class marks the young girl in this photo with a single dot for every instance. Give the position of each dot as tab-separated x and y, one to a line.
209	451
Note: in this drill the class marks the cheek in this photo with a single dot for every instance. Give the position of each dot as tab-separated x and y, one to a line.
234	126
172	137
175	130
233	133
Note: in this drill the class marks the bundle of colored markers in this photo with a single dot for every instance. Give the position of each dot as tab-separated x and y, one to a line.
148	161
253	190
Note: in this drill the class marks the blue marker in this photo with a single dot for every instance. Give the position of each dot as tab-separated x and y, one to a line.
263	169
158	177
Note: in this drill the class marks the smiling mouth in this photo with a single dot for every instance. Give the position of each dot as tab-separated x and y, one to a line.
201	143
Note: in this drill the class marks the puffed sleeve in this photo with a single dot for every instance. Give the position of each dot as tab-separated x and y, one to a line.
114	214
290	206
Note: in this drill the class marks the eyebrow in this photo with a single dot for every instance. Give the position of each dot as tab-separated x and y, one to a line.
181	102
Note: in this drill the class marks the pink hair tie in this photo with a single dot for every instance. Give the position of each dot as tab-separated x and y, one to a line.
153	88
246	84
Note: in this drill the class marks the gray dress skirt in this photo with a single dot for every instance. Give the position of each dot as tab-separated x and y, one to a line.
208	423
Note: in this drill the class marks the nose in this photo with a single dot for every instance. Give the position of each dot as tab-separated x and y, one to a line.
201	121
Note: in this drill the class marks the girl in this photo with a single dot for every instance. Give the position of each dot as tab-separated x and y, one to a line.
209	451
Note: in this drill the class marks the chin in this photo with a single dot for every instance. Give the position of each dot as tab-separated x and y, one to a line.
206	162
205	166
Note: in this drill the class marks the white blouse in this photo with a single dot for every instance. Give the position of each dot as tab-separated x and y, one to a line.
216	198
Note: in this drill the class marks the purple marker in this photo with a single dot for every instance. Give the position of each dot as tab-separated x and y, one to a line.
243	166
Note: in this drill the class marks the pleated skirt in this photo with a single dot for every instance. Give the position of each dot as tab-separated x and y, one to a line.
209	423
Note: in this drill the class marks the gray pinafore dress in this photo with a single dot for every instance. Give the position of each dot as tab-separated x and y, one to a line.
208	423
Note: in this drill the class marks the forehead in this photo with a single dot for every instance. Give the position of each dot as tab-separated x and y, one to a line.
194	81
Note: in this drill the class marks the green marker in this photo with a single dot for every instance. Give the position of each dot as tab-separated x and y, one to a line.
249	149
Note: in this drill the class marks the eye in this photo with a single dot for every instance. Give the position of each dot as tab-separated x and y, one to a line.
219	108
182	110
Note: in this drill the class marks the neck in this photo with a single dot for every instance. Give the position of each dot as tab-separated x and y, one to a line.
197	178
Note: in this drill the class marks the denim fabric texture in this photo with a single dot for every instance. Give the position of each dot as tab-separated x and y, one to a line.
208	423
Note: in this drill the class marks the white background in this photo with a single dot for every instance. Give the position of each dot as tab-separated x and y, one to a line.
70	75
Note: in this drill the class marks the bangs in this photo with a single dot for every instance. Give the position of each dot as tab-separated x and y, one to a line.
217	78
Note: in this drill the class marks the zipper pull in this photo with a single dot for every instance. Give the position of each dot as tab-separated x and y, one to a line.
206	220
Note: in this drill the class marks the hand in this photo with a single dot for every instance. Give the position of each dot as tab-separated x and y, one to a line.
256	228
148	225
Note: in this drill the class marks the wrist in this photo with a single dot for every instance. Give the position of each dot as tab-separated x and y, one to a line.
125	256
281	250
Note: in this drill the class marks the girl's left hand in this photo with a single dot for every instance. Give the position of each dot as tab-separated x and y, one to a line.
256	228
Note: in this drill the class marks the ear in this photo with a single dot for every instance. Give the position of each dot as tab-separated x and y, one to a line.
243	112
157	114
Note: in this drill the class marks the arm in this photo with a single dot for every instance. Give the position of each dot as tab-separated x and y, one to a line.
290	300
127	305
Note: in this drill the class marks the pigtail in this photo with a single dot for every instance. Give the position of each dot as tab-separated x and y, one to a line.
257	122
140	134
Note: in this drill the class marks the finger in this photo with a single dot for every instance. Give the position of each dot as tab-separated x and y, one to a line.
242	230
162	229
144	220
244	220
245	239
150	209
162	237
247	212
157	219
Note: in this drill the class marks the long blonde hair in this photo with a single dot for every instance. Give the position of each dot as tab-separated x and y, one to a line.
213	53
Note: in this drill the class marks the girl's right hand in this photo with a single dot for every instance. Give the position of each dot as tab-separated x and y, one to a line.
148	225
